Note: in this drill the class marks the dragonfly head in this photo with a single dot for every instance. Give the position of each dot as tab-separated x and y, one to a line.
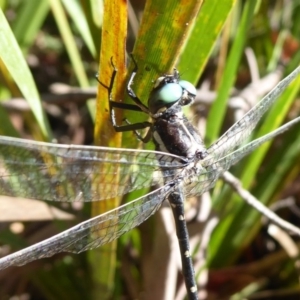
168	91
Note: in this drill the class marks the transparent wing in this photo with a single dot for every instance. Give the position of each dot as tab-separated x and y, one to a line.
202	181
54	172
239	132
227	161
94	232
210	170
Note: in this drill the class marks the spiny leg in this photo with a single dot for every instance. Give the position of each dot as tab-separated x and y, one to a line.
130	91
133	107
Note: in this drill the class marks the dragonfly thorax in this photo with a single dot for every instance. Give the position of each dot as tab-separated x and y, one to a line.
171	130
173	133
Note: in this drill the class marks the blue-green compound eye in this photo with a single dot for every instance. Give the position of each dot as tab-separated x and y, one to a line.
188	87
169	93
164	97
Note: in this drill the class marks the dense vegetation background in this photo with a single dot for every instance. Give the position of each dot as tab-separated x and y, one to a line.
234	44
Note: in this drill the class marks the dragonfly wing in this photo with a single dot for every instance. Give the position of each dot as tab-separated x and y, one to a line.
239	132
54	172
210	170
227	161
202	181
94	232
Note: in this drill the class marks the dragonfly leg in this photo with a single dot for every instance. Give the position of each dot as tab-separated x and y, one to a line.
139	106
130	91
148	135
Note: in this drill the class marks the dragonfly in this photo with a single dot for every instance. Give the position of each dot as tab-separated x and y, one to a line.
180	167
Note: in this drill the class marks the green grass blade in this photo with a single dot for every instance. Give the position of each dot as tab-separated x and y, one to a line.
69	42
17	67
103	261
208	26
160	41
77	14
218	109
27	25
